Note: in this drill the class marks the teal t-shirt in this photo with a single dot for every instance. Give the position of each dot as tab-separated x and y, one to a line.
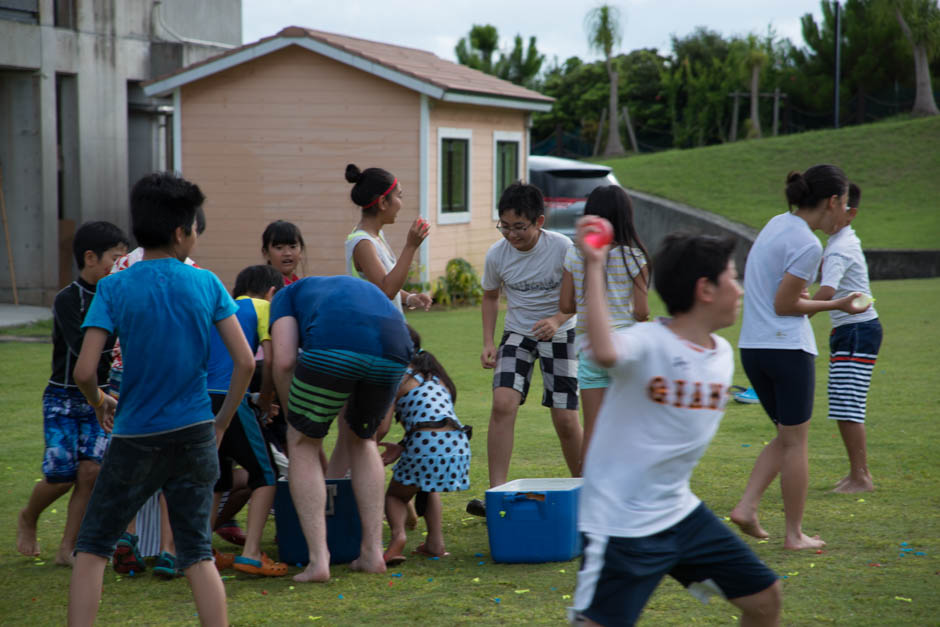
163	311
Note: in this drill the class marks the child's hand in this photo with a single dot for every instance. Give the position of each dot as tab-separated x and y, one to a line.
488	357
391	451
416	299
418	232
105	412
545	329
591	225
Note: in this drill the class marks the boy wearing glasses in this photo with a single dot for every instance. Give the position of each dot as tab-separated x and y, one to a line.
527	264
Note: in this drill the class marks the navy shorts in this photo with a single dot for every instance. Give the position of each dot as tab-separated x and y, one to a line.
183	463
244	444
853	349
559	362
72	433
618	575
325	380
785	382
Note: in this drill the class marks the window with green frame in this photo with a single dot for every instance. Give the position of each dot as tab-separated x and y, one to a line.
507	165
454	175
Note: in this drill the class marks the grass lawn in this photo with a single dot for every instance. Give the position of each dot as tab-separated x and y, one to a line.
895	162
864	577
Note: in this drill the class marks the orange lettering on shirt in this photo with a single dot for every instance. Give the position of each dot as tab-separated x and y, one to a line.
657	390
680	389
696	396
715	398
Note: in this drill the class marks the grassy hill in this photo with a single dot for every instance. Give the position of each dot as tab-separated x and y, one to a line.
896	163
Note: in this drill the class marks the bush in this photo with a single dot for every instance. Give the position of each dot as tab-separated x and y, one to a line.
460	284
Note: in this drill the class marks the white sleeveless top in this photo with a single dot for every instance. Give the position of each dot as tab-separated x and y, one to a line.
386	256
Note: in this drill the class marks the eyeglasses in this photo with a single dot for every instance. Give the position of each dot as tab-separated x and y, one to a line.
506	230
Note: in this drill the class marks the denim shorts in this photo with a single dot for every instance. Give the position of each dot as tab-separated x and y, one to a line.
72	433
184	463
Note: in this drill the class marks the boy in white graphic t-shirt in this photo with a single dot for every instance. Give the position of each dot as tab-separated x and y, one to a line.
638	517
527	265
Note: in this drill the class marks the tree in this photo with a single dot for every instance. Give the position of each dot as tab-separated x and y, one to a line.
603	26
756	59
476	50
520	66
920	23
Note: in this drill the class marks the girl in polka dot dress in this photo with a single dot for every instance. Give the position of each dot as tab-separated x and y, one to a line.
434	456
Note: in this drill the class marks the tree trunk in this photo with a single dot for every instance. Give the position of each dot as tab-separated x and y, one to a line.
614	145
924	103
755	101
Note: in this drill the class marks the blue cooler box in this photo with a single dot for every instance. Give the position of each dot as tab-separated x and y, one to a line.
534	520
343	527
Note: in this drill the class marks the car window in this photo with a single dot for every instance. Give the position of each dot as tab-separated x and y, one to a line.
569	183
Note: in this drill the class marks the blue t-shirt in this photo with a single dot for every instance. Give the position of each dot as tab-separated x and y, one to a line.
220	362
344	313
162	310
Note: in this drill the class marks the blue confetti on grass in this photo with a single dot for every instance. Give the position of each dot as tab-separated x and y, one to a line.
477	555
920	553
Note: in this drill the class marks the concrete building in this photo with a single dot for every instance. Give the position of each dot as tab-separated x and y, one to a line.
76	130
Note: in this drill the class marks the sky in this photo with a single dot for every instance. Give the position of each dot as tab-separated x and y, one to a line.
558	25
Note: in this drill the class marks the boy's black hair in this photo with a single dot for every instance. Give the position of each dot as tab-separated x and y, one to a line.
806	189
160	203
427	365
855	196
257	280
682	259
279	233
612	203
368	185
524	199
96	237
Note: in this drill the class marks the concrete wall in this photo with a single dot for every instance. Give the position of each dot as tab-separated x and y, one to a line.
655	217
71	84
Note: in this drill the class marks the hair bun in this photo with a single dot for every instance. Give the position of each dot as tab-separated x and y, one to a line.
352	173
797	188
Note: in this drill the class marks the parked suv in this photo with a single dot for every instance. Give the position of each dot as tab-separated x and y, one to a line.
565	183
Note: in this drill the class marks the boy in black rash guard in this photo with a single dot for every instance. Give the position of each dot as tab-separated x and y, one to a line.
75	442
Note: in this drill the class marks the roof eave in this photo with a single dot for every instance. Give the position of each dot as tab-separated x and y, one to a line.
477	98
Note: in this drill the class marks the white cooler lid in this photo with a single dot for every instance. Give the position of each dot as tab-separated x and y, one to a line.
548	484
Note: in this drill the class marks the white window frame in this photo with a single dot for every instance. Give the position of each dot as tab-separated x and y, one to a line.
450	217
504	136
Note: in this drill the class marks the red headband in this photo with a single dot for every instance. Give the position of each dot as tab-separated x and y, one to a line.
382	195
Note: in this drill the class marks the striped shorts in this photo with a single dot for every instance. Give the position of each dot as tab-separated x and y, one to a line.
853	349
325	380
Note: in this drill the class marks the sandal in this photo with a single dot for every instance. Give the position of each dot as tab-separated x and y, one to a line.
393	560
423	550
222	560
265	566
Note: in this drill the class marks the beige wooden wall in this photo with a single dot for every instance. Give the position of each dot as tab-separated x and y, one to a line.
270	139
473	239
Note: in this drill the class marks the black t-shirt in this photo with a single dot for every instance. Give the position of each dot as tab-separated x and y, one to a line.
68	312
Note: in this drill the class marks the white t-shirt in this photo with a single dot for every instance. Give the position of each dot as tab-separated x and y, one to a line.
382	249
620	284
665	401
844	268
785	245
531	279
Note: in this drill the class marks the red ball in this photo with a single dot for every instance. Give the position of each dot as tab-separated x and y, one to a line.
603	236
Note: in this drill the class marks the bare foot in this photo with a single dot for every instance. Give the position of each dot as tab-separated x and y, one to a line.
26	542
369	563
314	574
749	525
851	486
842	480
396	547
63	557
804	542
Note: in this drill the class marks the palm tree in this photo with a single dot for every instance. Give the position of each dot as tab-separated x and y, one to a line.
603	27
477	49
920	21
756	59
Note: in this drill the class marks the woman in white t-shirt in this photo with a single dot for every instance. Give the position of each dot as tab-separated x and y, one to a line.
778	348
627	273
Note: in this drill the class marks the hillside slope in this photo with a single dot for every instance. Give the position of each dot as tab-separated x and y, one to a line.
896	163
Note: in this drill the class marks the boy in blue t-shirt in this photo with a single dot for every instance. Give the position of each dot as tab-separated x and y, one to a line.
163	432
356	348
244	442
75	442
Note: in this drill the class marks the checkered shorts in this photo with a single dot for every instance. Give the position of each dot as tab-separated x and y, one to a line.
558	360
